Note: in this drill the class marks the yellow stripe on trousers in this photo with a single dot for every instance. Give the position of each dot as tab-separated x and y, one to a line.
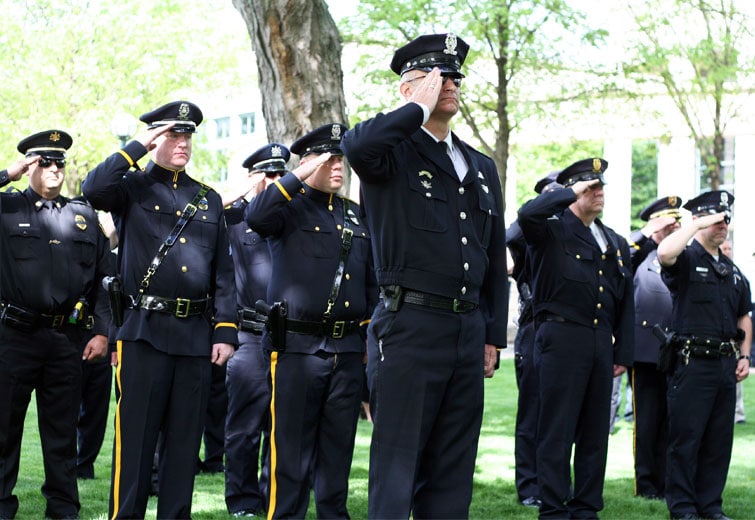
117	448
273	446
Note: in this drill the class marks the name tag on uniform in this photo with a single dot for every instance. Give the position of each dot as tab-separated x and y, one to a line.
700	269
24	224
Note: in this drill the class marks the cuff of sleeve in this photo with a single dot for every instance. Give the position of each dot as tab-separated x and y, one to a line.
4	178
288	185
425	112
226	333
132	152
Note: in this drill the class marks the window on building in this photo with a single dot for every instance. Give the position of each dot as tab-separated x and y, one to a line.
223	127
247	123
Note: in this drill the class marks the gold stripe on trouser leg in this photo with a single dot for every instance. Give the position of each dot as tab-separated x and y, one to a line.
273	446
117	447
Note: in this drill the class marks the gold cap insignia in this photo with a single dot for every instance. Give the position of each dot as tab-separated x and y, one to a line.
450	44
673	201
724	197
596	166
55	137
80	222
183	111
335	133
276	151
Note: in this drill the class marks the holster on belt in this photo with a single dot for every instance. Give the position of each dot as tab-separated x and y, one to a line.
275	323
18	317
392	297
114	288
668	349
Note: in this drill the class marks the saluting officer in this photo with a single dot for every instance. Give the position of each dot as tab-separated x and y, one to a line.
711	302
322	269
526	361
53	255
584	317
652	305
434	206
247	424
177	274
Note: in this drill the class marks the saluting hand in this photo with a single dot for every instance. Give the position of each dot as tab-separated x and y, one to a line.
308	166
582	187
704	221
221	352
148	137
427	90
20	167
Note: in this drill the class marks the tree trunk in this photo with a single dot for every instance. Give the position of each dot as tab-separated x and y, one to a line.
298	50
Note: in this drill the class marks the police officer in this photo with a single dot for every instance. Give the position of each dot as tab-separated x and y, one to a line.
322	270
525	359
652	305
584	317
181	307
247	423
434	206
52	258
711	302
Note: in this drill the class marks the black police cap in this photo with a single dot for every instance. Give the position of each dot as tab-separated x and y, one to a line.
326	138
716	201
445	51
186	115
584	170
663	207
50	143
547	183
269	158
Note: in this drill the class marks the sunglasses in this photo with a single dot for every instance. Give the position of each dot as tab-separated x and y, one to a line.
445	75
45	162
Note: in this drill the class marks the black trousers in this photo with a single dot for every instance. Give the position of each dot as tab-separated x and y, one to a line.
650	429
425	370
47	362
701	398
314	412
158	391
528	408
247	423
214	425
576	377
96	387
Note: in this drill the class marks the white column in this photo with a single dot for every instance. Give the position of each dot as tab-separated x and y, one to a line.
677	169
617	150
744	206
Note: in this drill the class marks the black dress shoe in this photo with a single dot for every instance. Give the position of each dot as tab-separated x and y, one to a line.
246	513
532	502
652	496
685	516
716	516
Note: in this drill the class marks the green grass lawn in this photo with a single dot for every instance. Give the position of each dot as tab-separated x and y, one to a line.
494	497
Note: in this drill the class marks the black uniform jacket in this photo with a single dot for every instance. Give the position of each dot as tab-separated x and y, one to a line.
145	207
432	232
652	304
251	257
52	257
305	227
707	304
572	278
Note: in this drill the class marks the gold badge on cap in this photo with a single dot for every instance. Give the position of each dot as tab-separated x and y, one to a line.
183	111
55	137
276	151
450	44
203	205
596	165
80	222
724	198
673	201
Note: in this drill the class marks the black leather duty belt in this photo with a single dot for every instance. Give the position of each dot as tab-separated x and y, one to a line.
437	302
180	307
711	348
27	320
334	329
